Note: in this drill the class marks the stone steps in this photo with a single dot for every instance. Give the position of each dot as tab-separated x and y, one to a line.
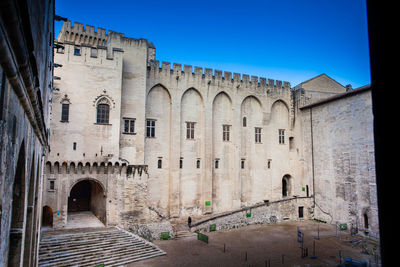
108	246
182	234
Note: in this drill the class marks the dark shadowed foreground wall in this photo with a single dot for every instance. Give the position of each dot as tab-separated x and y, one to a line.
26	67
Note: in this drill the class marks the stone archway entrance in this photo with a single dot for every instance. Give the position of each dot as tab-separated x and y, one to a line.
86	205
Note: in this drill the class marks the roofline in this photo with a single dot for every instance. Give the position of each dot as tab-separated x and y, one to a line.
356	91
317	77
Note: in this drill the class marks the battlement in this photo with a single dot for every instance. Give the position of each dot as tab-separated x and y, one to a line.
78	34
212	76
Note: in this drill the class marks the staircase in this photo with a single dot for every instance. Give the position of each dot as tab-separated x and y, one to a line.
94	247
182	234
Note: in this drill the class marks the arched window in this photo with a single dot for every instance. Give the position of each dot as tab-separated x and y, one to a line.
103	113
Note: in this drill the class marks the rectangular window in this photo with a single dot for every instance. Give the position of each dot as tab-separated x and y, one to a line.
216	163
242	164
93	52
301	212
181	163
129	126
64	112
150	128
77	51
258	135
159	163
51	185
189	130
281	136
225	132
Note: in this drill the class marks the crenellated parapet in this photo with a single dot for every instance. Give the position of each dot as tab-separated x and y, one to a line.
209	76
79	34
95	168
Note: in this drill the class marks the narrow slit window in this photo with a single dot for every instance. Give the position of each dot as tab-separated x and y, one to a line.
257	135
159	163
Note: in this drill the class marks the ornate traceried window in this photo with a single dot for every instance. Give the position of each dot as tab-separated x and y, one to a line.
103	104
103	113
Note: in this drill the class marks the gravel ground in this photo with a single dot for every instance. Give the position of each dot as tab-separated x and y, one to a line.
265	245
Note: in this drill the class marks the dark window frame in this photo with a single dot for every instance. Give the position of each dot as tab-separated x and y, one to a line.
226	133
190	130
103	114
129	126
281	133
64	112
150	128
257	134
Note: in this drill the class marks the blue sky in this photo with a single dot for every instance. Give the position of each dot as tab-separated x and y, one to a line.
286	40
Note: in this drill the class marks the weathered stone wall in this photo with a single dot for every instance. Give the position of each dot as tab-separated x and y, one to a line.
25	92
278	211
342	147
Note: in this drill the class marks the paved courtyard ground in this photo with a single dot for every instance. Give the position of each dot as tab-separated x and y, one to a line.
265	245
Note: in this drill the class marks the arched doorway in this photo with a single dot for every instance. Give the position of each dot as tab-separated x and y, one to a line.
47	217
88	196
286	188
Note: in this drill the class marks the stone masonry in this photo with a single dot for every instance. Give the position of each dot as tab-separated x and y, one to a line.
184	141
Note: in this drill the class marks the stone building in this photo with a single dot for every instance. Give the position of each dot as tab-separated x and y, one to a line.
26	68
136	142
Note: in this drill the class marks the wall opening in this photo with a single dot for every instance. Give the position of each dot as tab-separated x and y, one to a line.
47	217
286	188
301	212
366	223
88	195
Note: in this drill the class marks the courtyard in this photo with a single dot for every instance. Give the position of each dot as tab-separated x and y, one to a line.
267	245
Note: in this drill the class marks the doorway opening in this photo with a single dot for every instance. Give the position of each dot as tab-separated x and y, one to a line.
86	203
47	217
301	212
286	188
